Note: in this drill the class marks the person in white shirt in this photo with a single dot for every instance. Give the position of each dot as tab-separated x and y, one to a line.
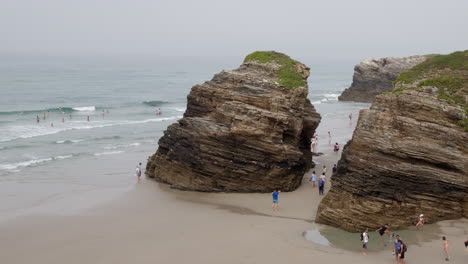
365	240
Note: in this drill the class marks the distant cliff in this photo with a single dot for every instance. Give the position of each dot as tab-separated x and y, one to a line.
246	130
408	154
375	76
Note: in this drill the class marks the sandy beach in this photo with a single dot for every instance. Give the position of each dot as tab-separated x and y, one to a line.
152	223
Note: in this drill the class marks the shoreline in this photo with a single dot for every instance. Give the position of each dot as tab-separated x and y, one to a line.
150	222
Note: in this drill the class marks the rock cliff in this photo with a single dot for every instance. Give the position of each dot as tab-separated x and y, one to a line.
246	130
375	76
408	154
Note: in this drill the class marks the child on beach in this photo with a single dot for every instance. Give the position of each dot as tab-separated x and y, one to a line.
421	222
324	170
274	196
445	246
313	179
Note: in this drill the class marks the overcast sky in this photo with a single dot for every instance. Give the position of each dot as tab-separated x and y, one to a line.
328	28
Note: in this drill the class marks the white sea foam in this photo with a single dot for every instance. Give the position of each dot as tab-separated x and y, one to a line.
108	153
29	131
316	102
19	165
85	108
180	109
68	141
332	97
63	157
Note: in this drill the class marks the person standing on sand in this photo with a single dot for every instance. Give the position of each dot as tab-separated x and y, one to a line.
396	248
274	196
402	251
384	230
138	172
313	179
314	145
324	169
321	185
365	240
445	246
334	169
329	138
336	147
421	222
323	177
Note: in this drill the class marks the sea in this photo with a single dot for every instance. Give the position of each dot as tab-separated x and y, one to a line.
73	128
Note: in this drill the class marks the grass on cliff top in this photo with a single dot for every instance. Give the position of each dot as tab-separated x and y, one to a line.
453	61
287	76
449	73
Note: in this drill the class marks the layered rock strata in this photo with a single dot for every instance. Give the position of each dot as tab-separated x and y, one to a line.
408	154
246	130
375	76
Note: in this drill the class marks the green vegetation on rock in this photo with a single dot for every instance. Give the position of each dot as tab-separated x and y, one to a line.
287	75
448	73
436	63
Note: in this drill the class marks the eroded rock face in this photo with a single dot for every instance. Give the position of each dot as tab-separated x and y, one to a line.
241	132
408	155
375	76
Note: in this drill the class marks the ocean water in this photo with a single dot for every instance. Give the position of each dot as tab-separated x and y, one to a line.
120	96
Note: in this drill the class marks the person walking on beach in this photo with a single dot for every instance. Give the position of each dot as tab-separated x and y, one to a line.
314	145
336	147
334	169
396	248
329	138
421	222
445	246
321	185
324	169
87	118
402	252
365	241
274	196
44	116
323	177
38	119
138	172
313	179
384	230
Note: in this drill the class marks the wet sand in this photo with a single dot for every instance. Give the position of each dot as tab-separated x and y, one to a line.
152	223
155	224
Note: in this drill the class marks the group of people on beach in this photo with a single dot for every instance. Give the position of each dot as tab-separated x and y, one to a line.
314	143
399	248
47	114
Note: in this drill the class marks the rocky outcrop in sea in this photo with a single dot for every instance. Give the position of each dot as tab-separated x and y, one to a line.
375	76
409	153
246	130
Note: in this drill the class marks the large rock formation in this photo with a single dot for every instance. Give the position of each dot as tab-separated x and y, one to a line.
375	76
408	154
246	130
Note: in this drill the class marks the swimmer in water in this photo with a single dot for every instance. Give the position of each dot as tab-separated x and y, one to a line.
38	119
51	124
87	118
63	120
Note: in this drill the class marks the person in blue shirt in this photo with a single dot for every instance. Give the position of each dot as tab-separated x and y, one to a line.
275	195
321	185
